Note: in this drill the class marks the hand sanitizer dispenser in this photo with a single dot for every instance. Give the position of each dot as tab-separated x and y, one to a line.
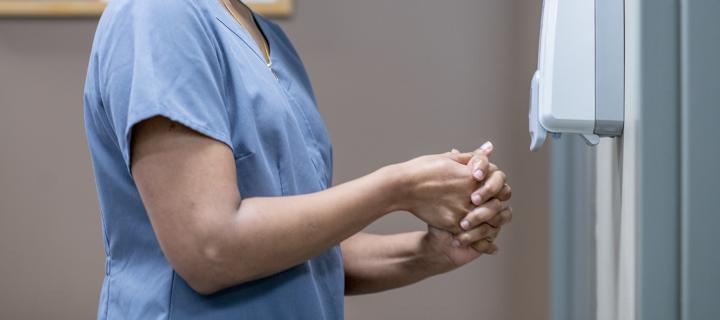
579	86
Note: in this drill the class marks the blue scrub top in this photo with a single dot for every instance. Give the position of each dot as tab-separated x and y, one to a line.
190	61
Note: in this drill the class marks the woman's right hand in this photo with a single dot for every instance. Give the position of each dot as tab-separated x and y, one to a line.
439	187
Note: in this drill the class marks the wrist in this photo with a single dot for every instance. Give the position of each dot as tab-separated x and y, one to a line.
433	259
397	187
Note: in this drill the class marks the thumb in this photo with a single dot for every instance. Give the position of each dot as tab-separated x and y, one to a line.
487	148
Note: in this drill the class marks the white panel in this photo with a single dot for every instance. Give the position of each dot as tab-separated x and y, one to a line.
607	228
616	195
626	297
567	66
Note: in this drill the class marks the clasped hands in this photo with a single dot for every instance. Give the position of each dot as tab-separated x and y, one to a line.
462	197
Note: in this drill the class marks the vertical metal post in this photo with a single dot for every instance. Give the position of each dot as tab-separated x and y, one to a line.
700	159
658	162
573	230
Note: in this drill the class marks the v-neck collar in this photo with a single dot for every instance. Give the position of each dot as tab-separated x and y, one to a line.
227	19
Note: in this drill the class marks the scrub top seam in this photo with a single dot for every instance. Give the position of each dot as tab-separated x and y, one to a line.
306	122
172	291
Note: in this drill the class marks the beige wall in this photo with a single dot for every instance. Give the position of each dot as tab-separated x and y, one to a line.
394	79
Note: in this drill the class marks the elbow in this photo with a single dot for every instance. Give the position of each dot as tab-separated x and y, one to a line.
213	270
204	273
203	287
212	257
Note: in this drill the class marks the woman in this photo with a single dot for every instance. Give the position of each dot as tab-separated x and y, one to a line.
213	170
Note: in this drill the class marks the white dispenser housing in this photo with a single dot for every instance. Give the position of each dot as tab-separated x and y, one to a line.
579	86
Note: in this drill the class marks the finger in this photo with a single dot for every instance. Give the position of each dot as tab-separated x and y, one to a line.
485	246
493	250
476	197
487	148
492	167
458	157
481	214
505	193
507	216
501	219
496	221
490	189
464	158
484	231
479	165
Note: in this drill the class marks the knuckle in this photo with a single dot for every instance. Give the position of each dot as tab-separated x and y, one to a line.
439	162
484	229
507	215
468	207
496	221
450	223
500	181
488	190
488	214
502	175
483	192
481	245
472	217
503	196
492	233
454	229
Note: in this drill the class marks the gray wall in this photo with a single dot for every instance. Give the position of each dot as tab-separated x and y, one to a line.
394	79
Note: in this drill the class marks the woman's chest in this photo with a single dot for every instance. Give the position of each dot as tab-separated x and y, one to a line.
278	135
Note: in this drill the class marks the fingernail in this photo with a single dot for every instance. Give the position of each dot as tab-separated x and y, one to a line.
476	199
487	146
479	174
455	151
465	224
456	243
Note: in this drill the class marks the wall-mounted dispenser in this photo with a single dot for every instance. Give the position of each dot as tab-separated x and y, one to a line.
579	86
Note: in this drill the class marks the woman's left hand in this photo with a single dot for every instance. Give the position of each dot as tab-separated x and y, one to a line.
482	225
444	244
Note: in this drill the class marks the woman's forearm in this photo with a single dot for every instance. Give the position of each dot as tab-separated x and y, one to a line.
268	235
375	263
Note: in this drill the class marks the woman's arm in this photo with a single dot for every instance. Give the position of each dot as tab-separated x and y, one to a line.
375	263
214	240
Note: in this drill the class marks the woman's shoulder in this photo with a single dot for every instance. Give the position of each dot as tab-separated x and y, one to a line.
170	14
132	31
136	22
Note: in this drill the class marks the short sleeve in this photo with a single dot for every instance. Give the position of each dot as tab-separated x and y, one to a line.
159	58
